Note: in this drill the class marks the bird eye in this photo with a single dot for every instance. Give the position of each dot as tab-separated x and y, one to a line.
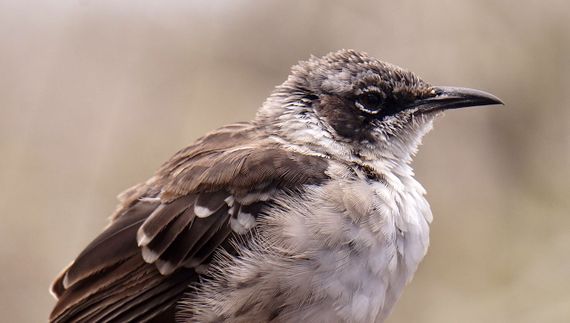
369	102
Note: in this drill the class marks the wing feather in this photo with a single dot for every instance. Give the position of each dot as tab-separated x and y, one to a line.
201	232
112	246
152	251
161	217
143	262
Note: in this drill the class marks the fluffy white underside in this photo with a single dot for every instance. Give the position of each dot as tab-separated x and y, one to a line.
342	253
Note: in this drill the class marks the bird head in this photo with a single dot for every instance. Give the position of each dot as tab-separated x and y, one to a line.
351	98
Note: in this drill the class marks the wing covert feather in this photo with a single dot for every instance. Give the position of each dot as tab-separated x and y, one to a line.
143	262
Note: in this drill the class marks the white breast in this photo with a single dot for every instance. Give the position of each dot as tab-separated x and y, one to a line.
341	252
366	238
389	235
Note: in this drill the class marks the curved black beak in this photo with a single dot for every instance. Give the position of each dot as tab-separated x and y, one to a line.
447	97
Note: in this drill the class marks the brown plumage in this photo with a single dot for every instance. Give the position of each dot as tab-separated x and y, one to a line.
226	171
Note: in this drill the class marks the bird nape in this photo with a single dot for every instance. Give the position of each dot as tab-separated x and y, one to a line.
308	213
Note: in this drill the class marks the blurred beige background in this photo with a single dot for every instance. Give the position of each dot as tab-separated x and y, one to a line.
95	95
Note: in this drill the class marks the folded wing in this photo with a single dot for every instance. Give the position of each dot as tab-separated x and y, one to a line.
166	228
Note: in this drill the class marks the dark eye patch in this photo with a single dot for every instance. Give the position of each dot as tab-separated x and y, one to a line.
369	102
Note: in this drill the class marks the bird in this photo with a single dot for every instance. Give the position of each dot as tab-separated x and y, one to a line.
308	213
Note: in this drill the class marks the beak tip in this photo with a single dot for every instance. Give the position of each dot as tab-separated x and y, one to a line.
493	99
